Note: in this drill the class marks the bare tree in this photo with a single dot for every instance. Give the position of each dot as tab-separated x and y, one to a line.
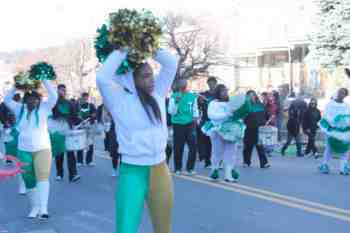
197	46
74	62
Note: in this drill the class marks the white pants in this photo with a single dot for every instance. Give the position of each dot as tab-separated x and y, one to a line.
327	156
223	150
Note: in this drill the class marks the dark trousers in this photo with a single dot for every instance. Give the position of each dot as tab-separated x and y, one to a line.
113	153
112	146
106	143
168	152
71	164
311	147
250	141
89	155
290	138
184	134
204	147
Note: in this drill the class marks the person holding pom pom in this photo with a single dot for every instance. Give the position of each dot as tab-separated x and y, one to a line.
219	111
137	106
34	148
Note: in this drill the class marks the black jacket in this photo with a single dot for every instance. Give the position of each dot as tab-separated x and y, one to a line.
255	119
296	113
203	106
311	118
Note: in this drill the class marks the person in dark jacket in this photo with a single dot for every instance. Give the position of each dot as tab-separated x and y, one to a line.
87	110
255	119
296	113
64	111
310	125
169	145
110	141
203	141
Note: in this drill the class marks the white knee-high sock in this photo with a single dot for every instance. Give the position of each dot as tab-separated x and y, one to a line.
34	200
44	191
21	185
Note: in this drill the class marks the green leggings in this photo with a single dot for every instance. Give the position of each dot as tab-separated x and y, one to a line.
138	184
37	166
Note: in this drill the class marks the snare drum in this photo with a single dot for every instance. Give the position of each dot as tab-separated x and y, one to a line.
76	140
268	136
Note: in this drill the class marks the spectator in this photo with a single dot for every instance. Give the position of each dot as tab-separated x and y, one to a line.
310	125
295	118
183	108
255	119
204	143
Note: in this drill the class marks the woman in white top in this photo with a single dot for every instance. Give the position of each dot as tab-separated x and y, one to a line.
219	111
34	148
138	110
335	123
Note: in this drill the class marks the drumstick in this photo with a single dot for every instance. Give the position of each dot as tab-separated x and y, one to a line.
82	123
205	98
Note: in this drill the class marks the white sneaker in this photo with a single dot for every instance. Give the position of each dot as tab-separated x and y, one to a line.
92	164
79	164
58	178
114	173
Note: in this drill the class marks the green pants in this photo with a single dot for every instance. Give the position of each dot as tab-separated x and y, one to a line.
138	184
37	166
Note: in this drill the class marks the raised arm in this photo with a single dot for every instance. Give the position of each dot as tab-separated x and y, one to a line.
106	78
167	72
10	103
51	101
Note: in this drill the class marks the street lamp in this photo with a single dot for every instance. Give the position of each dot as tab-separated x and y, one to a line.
290	61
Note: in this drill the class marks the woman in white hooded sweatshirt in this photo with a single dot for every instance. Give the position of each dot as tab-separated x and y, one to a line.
137	105
34	147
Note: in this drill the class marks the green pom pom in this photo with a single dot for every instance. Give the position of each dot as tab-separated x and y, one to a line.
139	31
102	46
124	67
42	71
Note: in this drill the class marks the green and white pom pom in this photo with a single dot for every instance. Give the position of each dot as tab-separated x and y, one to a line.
102	46
42	71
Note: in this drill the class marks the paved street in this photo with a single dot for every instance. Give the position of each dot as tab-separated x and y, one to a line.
291	197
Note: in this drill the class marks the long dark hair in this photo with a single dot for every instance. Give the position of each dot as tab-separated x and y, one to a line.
258	101
218	90
148	102
33	94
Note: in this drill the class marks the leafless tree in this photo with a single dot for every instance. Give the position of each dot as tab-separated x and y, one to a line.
74	62
197	46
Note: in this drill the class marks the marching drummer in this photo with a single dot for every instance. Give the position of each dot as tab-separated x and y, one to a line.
62	120
87	111
105	120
